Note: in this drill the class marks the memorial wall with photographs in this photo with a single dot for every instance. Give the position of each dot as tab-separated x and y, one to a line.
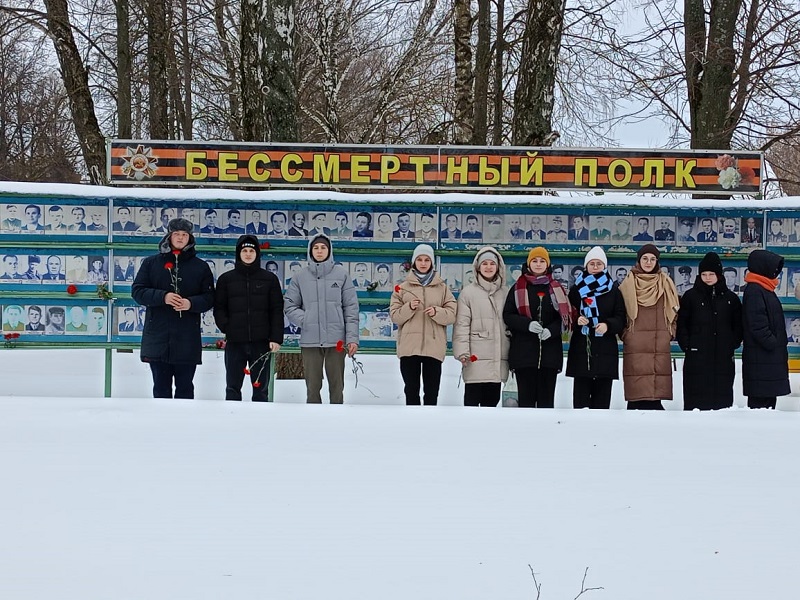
52	244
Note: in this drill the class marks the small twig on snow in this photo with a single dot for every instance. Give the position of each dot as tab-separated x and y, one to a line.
583	585
536	584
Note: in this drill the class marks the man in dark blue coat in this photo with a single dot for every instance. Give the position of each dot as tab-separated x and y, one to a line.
176	286
248	309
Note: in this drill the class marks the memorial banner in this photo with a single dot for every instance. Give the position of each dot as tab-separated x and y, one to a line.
463	168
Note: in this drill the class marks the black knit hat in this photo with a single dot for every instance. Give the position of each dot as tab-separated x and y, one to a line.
180	224
248	241
648	249
711	262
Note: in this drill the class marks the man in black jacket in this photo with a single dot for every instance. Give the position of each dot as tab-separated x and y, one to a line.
248	309
176	286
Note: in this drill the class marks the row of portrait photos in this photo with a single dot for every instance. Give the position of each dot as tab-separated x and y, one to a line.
380	276
77	320
400	226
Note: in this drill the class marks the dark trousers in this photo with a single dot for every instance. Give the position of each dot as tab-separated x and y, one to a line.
165	373
240	355
536	388
431	370
762	401
645	405
481	394
592	392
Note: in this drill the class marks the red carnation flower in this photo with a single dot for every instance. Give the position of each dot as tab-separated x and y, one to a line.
473	358
15	335
340	346
7	336
72	289
265	246
220	344
246	371
256	384
168	266
397	289
540	294
589	301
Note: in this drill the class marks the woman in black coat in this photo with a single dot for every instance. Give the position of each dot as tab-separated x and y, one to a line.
593	356
709	331
176	286
765	357
535	312
248	309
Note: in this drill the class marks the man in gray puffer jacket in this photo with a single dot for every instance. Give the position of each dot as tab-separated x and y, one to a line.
322	301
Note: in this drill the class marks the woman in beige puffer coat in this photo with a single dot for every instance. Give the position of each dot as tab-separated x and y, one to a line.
422	307
480	341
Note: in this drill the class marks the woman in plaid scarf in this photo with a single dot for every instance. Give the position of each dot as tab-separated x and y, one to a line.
593	357
536	312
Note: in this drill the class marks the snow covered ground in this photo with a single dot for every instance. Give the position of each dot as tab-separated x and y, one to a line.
135	498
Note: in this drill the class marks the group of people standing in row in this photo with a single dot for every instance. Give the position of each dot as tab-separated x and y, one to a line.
498	326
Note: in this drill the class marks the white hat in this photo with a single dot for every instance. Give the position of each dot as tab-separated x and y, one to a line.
422	249
596	253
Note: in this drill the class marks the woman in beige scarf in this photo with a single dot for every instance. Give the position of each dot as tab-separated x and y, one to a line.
651	302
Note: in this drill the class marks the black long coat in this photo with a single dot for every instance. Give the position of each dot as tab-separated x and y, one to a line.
170	336
524	350
709	330
765	356
604	361
248	304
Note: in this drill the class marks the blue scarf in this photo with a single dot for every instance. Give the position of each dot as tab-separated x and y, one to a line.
589	287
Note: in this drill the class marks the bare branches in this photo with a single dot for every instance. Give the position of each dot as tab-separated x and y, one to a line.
584	589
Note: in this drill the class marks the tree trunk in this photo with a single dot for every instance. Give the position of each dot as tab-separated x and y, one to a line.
289	366
535	94
462	33
497	109
157	39
234	105
187	115
483	61
269	91
76	82
711	64
124	74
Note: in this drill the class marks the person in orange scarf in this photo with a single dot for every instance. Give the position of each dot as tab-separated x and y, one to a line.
651	303
765	356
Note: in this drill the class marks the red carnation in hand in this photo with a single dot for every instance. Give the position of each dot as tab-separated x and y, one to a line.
168	266
256	384
397	289
246	371
473	358
340	346
540	294
72	289
265	246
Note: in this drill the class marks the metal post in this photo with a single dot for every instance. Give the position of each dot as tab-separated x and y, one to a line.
108	372
271	385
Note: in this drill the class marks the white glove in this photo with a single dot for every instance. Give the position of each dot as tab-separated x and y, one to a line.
535	327
545	335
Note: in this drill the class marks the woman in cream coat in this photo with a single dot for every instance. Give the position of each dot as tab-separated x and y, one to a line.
480	341
422	307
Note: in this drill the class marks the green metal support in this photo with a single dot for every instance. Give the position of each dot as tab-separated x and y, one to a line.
109	354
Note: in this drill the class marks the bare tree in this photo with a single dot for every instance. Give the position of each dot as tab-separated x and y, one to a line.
157	54
269	92
464	75
535	92
76	82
